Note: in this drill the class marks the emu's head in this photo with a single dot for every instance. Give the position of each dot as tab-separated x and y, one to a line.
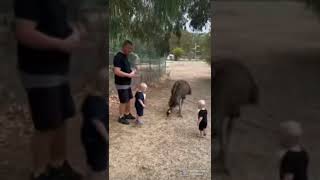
172	103
169	112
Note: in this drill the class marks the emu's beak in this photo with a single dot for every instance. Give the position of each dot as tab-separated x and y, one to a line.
168	113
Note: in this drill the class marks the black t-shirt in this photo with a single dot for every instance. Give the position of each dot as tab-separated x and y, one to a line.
94	108
295	163
203	113
121	60
139	96
51	19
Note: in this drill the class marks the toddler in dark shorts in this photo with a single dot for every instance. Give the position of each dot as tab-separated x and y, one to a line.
139	104
294	159
94	130
202	118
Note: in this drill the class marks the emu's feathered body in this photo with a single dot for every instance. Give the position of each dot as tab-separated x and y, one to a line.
179	91
233	87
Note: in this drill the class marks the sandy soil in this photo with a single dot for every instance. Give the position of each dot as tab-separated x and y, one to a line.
280	44
164	148
16	130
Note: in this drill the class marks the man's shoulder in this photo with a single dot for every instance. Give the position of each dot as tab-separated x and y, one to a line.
119	55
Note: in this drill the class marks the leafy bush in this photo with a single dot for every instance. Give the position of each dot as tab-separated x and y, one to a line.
178	52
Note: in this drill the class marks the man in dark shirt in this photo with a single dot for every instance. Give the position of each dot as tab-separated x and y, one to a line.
45	42
123	75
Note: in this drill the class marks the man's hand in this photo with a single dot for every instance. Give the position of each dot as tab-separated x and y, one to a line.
83	34
132	74
118	72
72	42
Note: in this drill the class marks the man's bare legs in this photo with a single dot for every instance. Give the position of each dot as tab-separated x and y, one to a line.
122	109
122	118
128	107
40	146
59	146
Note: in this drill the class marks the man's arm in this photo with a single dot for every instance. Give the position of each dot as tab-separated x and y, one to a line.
27	34
101	129
118	72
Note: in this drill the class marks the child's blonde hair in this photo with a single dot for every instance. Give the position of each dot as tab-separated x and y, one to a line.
291	128
201	103
143	85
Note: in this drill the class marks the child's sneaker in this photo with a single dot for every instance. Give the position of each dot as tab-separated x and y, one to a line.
138	122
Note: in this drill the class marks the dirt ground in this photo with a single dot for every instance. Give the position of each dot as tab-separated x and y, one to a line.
279	42
164	148
15	135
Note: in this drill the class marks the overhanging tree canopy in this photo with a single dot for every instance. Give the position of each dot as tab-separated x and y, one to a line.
153	21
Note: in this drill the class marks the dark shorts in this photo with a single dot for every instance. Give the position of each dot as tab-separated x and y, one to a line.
50	106
139	110
97	155
202	125
125	95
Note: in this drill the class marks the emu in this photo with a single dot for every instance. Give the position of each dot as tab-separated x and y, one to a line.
179	90
233	87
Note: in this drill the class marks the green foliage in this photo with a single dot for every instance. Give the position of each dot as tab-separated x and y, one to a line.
178	52
184	41
188	41
198	13
205	47
314	5
154	21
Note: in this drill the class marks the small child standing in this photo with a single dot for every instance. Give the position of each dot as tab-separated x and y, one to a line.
294	159
139	104
94	131
202	118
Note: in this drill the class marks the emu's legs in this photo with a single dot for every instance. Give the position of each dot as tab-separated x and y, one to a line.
180	106
223	127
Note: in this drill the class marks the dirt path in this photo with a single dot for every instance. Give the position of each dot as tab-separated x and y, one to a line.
15	135
162	148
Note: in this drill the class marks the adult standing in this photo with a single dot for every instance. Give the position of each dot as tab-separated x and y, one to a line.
123	75
45	42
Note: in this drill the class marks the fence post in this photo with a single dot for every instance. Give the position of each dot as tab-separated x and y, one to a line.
165	66
159	69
